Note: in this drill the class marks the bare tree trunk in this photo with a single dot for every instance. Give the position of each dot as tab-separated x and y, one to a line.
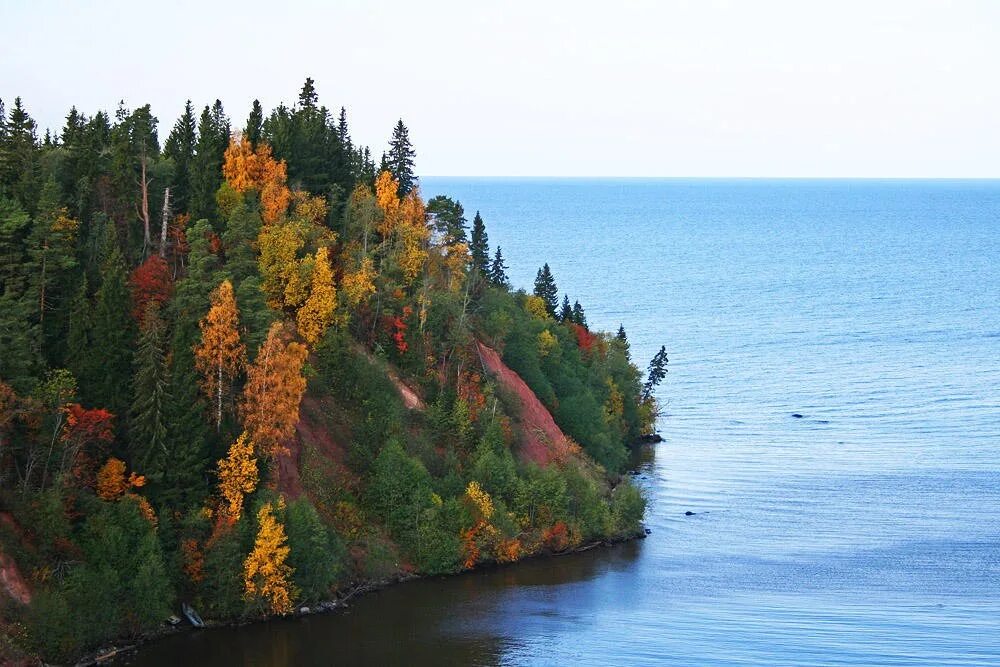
144	212
163	222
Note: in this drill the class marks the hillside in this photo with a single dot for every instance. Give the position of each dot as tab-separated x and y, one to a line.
247	370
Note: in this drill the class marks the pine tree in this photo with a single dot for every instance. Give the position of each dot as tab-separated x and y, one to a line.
578	316
255	124
566	312
479	247
180	147
498	271
622	340
655	373
545	287
148	426
448	219
399	160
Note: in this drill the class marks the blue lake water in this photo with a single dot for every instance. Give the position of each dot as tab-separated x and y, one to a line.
865	532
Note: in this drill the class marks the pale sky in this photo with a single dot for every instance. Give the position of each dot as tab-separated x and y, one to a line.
796	88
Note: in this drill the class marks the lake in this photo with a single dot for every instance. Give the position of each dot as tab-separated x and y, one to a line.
864	532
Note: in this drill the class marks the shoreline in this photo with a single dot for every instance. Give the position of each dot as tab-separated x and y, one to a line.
105	654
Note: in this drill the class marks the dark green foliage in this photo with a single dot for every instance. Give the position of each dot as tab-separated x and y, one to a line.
19	160
180	148
316	552
479	247
566	312
120	588
578	315
111	339
399	491
498	271
399	159
545	287
206	167
255	124
150	400
656	372
448	219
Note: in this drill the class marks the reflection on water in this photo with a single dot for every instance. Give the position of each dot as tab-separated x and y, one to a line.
866	532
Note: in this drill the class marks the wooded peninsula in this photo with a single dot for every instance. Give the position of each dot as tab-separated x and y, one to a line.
248	369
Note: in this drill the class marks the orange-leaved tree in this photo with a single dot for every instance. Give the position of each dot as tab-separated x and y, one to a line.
246	168
266	574
221	354
273	392
316	313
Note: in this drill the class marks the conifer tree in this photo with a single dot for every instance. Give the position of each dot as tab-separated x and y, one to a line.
655	373
448	219
578	315
399	160
545	287
479	246
255	124
150	384
180	147
206	167
498	271
111	338
566	312
19	157
622	339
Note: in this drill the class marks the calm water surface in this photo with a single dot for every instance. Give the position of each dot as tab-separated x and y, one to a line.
865	532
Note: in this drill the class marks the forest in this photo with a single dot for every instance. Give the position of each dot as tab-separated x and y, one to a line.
248	368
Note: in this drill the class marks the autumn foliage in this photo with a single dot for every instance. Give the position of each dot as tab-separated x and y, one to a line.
151	283
221	354
273	392
245	168
237	476
266	575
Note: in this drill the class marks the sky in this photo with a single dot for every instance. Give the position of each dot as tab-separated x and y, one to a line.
697	89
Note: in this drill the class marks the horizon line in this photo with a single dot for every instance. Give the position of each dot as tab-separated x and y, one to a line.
714	178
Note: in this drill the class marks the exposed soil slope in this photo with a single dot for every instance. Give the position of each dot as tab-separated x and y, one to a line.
542	441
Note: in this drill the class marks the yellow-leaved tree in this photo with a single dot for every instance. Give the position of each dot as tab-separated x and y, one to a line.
237	476
357	286
221	354
316	313
266	575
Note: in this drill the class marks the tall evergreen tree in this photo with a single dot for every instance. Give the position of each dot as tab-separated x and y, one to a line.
578	315
255	124
20	362
19	158
566	312
148	425
112	337
498	271
545	287
622	340
180	147
399	160
655	373
206	168
479	246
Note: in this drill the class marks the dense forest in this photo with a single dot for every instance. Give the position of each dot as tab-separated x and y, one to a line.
247	368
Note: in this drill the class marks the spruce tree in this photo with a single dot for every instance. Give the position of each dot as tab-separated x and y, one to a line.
578	315
622	339
479	246
655	373
545	287
400	158
19	158
180	148
566	312
206	168
498	271
112	337
255	124
148	425
20	362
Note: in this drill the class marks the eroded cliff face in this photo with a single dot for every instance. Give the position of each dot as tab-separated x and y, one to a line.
542	441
